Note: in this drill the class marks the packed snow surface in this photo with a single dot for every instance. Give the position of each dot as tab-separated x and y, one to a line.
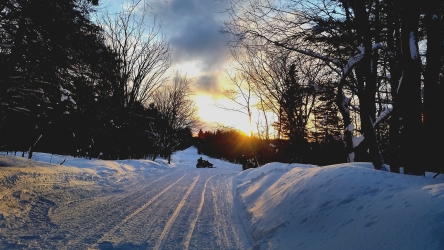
143	204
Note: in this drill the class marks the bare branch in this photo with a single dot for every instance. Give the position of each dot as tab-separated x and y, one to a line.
143	52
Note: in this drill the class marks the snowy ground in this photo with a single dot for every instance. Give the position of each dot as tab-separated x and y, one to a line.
141	204
135	204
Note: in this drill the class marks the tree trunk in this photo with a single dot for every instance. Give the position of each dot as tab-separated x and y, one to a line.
409	92
394	139
393	46
343	106
31	148
367	88
432	89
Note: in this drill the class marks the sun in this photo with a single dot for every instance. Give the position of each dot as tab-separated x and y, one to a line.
209	113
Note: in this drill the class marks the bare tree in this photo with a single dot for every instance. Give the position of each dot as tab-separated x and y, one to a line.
284	82
178	114
241	94
142	51
336	33
263	127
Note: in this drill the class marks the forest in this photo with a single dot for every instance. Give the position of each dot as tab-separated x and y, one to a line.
69	85
366	72
231	144
344	80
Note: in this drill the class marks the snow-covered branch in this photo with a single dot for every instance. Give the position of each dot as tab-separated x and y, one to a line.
413	46
352	62
383	116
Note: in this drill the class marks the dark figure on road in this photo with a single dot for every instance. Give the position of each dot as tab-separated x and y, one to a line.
243	161
203	163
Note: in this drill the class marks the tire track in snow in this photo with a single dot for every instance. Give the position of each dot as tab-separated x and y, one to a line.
136	212
90	213
220	229
170	222
133	190
199	210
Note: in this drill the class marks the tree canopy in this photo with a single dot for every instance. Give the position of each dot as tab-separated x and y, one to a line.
65	87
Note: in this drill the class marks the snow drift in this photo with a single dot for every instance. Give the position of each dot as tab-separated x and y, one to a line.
346	206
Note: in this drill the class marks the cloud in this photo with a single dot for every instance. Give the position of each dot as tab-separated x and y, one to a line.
192	28
207	83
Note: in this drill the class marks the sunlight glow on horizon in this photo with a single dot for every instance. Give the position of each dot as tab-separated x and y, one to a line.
211	114
208	77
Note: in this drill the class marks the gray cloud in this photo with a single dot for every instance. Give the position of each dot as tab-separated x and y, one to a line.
207	83
192	28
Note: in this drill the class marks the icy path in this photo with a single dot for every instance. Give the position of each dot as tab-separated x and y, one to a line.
180	208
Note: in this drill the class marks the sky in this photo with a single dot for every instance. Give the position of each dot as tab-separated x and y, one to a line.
192	29
285	206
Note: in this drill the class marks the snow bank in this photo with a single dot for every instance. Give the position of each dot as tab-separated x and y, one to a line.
23	181
98	166
346	206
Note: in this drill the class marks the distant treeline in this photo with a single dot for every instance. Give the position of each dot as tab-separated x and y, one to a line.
230	144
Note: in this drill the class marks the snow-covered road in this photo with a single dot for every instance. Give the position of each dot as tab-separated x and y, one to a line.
179	208
143	204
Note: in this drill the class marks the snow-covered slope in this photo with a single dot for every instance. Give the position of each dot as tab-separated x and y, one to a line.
347	206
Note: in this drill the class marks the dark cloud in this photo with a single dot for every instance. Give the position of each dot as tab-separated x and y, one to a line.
207	83
199	39
192	28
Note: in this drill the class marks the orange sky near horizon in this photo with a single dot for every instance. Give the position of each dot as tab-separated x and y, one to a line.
199	52
212	115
